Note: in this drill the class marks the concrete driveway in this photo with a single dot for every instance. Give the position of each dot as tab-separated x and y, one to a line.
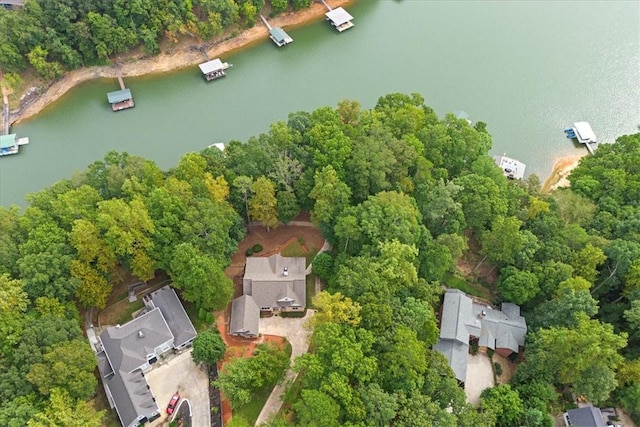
182	375
479	377
293	330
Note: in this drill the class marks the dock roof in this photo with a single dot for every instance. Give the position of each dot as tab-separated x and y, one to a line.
7	141
585	133
339	16
211	66
119	96
279	35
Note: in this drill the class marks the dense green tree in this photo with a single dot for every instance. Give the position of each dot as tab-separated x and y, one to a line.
208	347
505	403
263	204
67	366
331	196
517	286
62	410
200	277
317	409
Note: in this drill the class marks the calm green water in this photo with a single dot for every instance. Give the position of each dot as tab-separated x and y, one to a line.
528	69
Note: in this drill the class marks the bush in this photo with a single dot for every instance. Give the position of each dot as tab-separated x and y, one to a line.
474	347
249	252
497	368
256	248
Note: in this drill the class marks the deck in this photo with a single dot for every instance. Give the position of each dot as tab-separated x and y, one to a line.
511	168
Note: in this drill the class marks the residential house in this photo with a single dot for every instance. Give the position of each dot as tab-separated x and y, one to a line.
270	284
463	319
588	416
126	352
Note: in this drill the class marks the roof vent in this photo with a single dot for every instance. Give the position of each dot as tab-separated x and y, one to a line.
118	326
483	313
286	271
140	334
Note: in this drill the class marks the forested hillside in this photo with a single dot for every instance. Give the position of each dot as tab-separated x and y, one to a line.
57	35
399	193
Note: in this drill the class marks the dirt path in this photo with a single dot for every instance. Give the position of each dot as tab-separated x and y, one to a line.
180	56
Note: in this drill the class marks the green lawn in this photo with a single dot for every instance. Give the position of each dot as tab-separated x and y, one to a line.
126	316
251	410
295	249
469	288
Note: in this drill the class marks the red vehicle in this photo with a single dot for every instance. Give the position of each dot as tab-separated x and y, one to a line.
173	403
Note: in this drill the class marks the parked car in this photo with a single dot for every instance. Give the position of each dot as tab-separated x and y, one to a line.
173	403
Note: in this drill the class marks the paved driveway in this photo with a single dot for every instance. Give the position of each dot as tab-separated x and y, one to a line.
182	375
479	377
293	330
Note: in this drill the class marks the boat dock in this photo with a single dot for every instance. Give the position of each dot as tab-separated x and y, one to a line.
120	99
512	168
277	34
338	17
9	143
214	69
582	132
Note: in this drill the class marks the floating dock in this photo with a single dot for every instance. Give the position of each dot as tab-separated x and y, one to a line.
10	144
338	17
277	34
582	132
214	69
512	168
120	99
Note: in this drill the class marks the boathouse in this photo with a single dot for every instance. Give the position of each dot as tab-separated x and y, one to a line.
512	168
120	99
213	69
340	19
279	36
9	144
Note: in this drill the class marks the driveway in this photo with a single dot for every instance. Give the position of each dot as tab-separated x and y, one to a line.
182	375
293	330
479	377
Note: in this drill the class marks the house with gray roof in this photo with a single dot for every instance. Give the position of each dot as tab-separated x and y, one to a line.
126	352
588	416
270	284
462	319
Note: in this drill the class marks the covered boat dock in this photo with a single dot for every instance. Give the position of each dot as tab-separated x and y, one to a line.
582	132
9	144
120	99
340	19
213	69
512	168
277	34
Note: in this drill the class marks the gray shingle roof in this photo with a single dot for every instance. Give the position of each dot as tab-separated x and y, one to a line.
266	281
245	317
462	318
132	396
173	312
127	346
586	417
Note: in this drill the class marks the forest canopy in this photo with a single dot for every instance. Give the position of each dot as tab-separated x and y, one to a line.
401	195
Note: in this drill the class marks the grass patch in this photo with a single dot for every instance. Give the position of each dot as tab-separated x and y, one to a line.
251	410
294	249
198	323
468	288
127	315
311	288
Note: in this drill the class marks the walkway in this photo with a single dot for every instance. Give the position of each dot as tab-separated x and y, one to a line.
298	336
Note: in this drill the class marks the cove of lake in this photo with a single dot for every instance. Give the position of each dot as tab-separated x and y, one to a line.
526	68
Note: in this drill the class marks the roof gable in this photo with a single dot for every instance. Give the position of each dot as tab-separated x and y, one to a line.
174	314
245	316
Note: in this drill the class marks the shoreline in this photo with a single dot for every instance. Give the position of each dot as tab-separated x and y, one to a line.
186	54
562	167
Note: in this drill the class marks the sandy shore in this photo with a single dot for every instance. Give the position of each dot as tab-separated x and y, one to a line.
561	170
180	56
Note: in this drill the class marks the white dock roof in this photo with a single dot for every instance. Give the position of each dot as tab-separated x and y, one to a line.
585	133
211	66
339	16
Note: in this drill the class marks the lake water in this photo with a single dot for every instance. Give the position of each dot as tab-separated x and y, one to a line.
528	69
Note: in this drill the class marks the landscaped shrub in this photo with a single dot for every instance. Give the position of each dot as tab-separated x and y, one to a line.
497	368
256	248
249	252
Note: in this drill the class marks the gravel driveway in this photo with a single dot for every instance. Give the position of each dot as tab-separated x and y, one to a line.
479	377
182	375
293	330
